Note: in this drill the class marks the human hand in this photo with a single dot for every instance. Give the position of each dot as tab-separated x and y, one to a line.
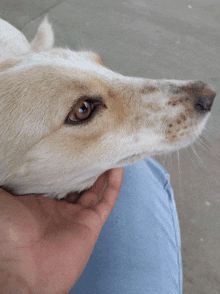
45	244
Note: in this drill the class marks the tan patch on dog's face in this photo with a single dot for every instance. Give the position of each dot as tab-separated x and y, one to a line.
113	114
59	51
92	56
5	65
98	59
87	54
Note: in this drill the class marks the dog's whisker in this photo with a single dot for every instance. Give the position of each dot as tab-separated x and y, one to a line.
164	159
203	138
208	132
203	165
213	147
197	155
213	126
200	143
178	160
211	129
206	138
215	118
187	151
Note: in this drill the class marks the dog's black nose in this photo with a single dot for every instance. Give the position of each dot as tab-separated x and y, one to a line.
205	96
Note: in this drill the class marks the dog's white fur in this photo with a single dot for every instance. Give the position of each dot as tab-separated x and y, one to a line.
40	85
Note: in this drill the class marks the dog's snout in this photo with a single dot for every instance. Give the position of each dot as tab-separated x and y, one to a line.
204	103
205	96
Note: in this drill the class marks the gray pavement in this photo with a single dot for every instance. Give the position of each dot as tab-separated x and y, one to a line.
156	39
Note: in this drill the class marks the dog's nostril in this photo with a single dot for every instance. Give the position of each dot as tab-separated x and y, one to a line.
204	104
205	98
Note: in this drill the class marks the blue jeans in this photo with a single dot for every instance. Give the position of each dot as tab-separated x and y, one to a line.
138	250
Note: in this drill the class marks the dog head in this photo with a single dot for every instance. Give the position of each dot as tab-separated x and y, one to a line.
66	118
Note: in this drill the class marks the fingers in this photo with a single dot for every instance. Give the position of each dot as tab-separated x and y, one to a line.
110	194
72	197
6	199
90	197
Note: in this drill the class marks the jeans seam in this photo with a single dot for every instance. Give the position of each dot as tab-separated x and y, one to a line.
175	225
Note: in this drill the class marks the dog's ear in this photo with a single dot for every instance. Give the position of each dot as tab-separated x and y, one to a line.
44	38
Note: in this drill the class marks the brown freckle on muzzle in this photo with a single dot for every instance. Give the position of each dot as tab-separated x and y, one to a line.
148	90
172	102
183	117
152	107
190	113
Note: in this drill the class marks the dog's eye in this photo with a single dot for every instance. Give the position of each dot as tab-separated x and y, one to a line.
82	111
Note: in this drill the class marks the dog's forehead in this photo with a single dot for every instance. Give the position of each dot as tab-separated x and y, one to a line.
65	59
55	86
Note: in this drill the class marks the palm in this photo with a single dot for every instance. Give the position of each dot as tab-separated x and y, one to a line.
50	242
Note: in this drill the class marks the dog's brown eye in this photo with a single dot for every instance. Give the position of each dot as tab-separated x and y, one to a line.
83	110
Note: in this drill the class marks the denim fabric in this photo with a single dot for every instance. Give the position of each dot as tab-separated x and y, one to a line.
138	250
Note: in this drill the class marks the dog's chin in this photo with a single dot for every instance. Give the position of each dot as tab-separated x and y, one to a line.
166	149
131	159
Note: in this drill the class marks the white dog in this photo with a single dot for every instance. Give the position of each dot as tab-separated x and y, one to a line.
65	118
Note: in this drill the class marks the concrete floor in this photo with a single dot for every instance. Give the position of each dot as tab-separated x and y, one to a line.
156	39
